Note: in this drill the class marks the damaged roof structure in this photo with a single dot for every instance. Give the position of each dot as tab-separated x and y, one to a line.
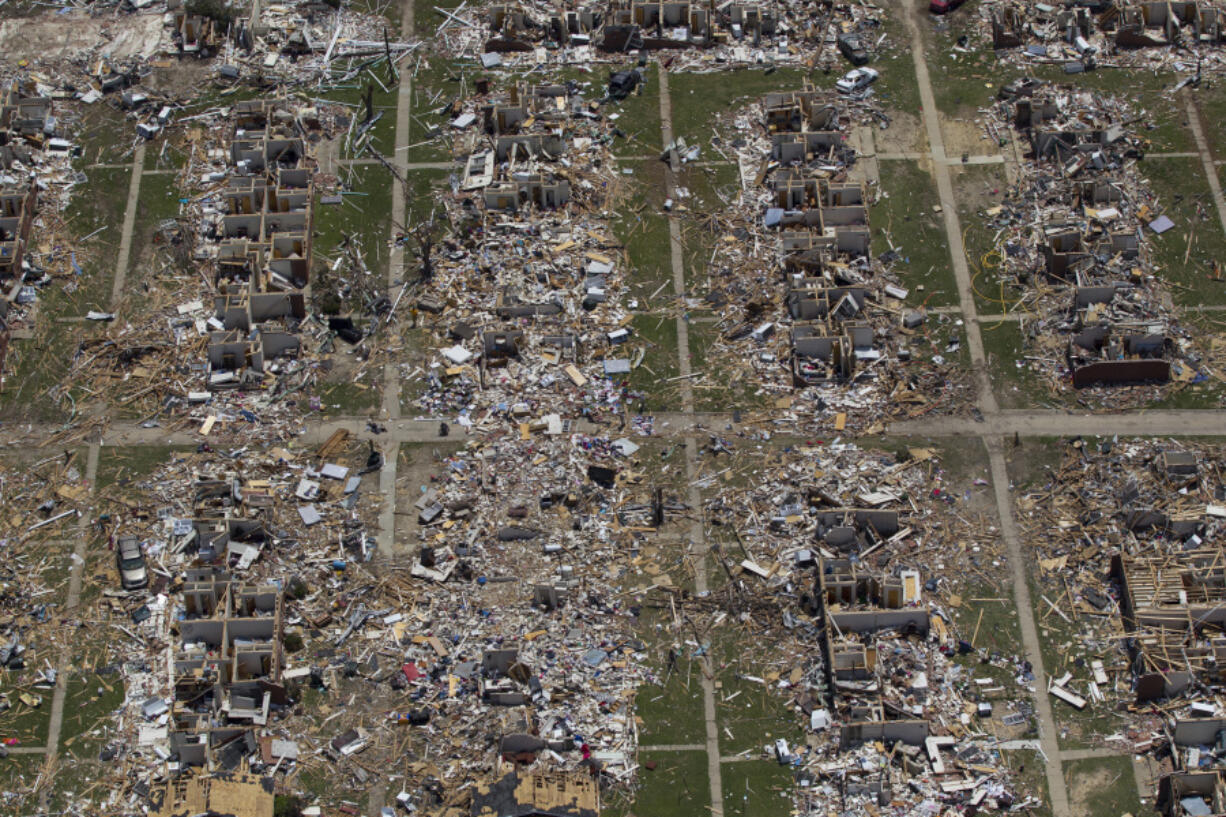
1183	35
546	324
864	642
485	423
696	33
828	322
1134	564
1074	237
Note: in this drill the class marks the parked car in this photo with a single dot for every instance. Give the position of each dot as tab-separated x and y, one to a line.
133	575
944	6
852	47
856	80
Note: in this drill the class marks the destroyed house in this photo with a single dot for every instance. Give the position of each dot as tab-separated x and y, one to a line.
516	28
1126	25
657	25
799	112
824	235
528	105
1173	592
623	26
877	684
227	667
682	23
1060	129
1107	345
1199	741
528	139
1192	793
1174	609
263	259
221	795
538	794
16	218
511	23
541	191
827	336
1117	355
1144	25
24	114
1197	784
193	33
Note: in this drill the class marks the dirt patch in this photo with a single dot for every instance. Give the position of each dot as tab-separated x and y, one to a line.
183	79
961	137
1086	787
69	36
977	187
1082	788
904	135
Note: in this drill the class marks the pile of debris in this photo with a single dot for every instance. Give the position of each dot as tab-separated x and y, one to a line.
525	294
818	321
852	552
1129	536
501	646
226	333
1072	236
215	563
45	499
1184	37
695	35
36	181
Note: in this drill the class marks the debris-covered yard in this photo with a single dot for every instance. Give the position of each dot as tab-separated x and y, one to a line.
623	408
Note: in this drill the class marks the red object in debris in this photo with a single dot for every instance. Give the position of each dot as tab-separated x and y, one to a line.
942	6
411	671
12	741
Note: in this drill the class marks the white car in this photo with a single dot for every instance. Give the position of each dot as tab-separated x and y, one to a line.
856	80
132	572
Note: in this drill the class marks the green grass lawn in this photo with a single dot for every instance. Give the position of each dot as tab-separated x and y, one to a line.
350	399
18	774
977	188
672	714
658	333
384	89
159	199
699	101
637	116
642	227
758	788
1102	787
904	219
677	785
363	216
1015	386
426	20
121	467
89	703
1181	192
105	136
734	387
897	89
1211	99
97	205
